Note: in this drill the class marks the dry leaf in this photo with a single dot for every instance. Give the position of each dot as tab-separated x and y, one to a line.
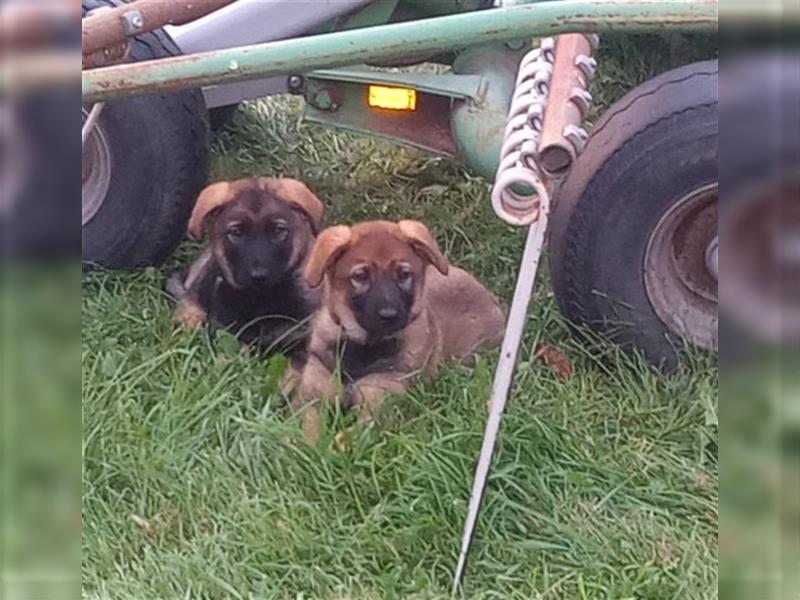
555	359
141	522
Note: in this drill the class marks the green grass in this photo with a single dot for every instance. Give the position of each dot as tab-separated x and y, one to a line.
197	486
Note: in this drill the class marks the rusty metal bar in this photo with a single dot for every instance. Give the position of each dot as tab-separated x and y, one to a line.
112	27
567	102
390	41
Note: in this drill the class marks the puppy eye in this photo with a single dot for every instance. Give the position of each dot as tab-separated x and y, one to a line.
280	230
404	275
235	232
359	277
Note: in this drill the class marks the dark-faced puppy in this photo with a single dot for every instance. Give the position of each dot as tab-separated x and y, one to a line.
392	308
249	278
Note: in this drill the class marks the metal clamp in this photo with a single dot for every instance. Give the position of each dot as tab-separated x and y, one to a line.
576	136
582	99
587	66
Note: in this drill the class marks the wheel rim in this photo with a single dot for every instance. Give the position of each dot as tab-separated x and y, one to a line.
681	266
95	172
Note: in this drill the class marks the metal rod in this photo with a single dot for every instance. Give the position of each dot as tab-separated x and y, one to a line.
504	374
389	41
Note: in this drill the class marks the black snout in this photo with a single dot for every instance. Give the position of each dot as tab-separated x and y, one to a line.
383	309
259	262
388	313
259	273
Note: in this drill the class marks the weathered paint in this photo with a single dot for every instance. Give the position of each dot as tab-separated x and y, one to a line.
477	127
390	41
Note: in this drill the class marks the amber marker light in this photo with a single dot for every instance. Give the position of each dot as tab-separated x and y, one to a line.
392	98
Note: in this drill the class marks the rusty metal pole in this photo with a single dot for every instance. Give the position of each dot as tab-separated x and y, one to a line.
568	100
111	27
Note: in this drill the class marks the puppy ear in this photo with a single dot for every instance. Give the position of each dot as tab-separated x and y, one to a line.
328	247
297	194
421	240
208	220
212	197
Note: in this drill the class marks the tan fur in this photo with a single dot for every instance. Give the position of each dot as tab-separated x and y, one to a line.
189	314
327	248
295	192
421	240
453	315
285	189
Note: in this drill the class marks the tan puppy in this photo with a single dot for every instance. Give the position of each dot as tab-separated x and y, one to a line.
391	308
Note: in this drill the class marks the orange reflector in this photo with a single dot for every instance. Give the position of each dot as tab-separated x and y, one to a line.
393	98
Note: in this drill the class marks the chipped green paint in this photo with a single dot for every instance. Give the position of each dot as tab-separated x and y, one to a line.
390	41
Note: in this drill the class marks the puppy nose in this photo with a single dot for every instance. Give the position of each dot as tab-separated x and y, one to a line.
259	273
388	313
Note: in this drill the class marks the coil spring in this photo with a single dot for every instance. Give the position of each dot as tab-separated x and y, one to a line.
518	170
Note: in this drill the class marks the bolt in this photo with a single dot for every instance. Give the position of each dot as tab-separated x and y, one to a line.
233	65
323	100
295	83
132	22
516	44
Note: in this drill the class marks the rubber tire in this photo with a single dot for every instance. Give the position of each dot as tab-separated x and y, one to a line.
648	150
160	155
220	117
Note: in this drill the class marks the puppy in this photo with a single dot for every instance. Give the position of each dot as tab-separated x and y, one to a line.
249	277
392	308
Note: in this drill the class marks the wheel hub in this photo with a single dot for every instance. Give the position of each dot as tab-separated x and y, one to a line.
681	268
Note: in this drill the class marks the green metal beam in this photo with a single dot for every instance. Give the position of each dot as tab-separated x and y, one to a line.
391	41
445	84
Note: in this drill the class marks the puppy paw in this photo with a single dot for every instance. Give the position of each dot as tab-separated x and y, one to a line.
290	380
368	401
311	424
189	316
